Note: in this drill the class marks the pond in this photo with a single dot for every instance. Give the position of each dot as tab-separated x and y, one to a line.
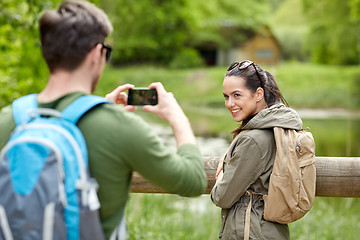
336	137
336	134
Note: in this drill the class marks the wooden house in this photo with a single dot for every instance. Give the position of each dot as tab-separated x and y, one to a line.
259	46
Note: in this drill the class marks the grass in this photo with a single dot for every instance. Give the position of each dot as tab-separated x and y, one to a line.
199	91
319	86
165	217
303	84
330	218
169	217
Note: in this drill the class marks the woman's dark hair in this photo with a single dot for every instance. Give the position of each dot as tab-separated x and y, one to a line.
255	78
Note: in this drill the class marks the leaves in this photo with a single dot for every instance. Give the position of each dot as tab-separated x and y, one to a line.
333	36
148	30
155	31
22	68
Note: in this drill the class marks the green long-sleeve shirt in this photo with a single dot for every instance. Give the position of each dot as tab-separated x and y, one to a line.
119	143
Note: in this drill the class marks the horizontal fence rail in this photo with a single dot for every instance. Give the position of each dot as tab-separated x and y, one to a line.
335	177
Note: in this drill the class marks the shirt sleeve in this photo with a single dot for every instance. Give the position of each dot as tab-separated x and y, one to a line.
181	172
7	125
244	167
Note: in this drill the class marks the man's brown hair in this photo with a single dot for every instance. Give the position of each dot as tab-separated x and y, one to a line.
69	33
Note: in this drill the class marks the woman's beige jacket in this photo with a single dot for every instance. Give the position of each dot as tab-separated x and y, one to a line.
249	168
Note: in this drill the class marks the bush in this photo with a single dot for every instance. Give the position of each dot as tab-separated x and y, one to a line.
187	58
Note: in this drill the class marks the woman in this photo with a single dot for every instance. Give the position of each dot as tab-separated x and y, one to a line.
254	100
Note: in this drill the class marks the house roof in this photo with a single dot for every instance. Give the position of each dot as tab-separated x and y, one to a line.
228	34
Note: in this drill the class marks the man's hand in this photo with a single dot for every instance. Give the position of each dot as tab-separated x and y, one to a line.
118	96
168	109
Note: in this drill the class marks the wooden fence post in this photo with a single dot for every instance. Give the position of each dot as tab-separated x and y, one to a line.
335	177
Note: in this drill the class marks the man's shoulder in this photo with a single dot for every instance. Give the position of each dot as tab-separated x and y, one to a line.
7	125
6	111
110	112
112	117
6	117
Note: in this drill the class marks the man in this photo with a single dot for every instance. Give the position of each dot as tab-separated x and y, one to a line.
118	141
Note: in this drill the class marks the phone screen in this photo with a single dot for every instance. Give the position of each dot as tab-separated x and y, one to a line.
142	96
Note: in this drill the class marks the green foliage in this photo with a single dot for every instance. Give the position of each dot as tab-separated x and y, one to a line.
322	31
23	70
223	22
355	10
187	58
21	66
219	12
289	25
148	31
154	31
333	32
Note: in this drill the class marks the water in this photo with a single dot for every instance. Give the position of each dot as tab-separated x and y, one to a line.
209	147
336	134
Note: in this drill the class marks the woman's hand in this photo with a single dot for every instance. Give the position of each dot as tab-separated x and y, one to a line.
219	170
118	96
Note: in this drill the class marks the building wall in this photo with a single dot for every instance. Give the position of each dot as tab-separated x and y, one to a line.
261	49
227	56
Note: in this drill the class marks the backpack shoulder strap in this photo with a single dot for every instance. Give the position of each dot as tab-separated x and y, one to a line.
21	106
80	106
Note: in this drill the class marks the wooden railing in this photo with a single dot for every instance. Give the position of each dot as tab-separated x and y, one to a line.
335	177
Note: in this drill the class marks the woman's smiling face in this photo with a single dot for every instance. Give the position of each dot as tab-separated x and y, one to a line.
240	100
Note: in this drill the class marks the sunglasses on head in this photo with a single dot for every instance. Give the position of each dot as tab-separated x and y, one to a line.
108	51
242	66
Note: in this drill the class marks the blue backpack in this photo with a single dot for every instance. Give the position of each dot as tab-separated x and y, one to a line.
46	191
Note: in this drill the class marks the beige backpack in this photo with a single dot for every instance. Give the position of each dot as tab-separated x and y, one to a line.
293	180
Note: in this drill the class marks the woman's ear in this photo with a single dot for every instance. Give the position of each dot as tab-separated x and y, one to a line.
259	94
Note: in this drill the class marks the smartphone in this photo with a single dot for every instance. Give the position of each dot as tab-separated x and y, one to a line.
142	96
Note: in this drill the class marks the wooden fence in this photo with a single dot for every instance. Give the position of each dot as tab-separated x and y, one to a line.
335	177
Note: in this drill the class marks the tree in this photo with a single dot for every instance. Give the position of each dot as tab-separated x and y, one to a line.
355	17
22	68
333	32
158	30
215	17
148	31
290	26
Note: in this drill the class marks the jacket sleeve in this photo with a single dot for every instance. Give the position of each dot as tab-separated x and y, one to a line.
244	167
